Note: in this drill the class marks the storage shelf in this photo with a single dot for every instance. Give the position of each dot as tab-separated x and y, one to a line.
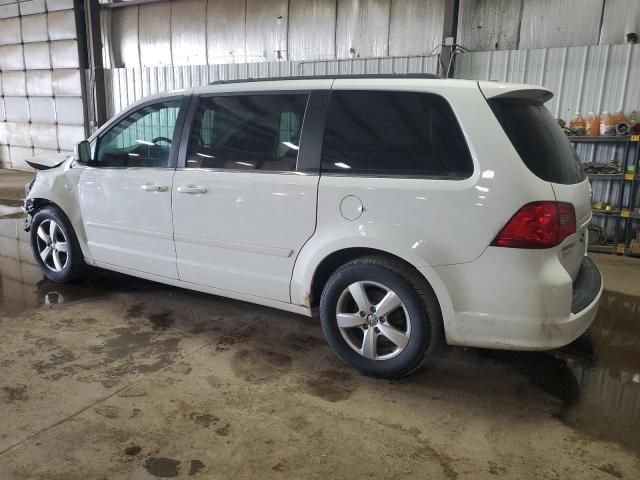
602	139
615	213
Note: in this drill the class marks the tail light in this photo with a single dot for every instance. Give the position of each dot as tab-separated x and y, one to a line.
538	225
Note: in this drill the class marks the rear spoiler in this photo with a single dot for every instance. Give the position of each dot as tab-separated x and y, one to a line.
533	93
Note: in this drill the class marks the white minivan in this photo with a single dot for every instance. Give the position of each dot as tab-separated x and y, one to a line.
405	210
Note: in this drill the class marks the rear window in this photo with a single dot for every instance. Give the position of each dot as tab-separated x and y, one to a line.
540	142
394	133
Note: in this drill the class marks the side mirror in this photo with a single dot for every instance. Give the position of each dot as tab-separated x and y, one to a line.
82	152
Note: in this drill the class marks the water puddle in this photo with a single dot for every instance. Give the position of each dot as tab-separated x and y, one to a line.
23	287
596	380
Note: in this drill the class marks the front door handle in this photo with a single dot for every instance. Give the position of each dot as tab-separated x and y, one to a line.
192	189
154	187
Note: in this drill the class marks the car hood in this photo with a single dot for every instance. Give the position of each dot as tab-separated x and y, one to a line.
48	160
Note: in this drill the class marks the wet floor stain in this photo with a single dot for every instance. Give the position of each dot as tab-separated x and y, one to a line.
162	320
162	467
195	467
331	385
204	420
260	365
13	394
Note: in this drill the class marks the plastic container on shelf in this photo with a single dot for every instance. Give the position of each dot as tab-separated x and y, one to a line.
608	124
592	125
578	125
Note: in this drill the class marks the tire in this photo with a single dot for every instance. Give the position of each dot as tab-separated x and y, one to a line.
59	264
381	357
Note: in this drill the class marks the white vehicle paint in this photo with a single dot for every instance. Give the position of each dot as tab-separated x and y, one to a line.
263	236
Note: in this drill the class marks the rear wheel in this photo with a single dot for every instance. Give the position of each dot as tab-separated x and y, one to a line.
55	246
380	316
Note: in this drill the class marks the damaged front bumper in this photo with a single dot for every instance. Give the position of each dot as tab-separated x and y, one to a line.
28	209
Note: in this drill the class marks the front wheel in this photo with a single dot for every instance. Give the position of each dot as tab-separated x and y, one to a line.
55	246
380	316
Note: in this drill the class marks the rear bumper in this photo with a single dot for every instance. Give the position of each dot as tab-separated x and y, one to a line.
534	305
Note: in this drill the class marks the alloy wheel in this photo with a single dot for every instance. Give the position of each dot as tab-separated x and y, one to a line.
53	246
373	320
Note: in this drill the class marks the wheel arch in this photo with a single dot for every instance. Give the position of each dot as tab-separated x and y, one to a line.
35	203
332	261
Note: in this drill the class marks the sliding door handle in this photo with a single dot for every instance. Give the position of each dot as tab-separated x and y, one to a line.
192	189
154	187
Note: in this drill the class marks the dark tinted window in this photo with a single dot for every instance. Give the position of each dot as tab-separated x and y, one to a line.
141	139
249	132
398	133
539	141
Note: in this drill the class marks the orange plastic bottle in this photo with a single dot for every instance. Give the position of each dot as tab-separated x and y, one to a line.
577	124
593	124
607	124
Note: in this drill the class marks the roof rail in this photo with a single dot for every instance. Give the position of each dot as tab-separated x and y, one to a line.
332	77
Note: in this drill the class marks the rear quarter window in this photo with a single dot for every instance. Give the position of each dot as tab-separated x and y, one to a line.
539	140
394	133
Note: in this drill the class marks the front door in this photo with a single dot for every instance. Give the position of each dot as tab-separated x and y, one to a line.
243	208
125	193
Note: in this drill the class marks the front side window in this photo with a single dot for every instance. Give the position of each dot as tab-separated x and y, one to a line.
247	132
394	133
141	139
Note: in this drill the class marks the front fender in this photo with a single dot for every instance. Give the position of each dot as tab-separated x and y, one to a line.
59	186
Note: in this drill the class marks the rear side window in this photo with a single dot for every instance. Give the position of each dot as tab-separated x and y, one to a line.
540	142
247	132
394	133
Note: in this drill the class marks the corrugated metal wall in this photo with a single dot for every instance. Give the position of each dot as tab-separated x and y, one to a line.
199	32
523	24
41	104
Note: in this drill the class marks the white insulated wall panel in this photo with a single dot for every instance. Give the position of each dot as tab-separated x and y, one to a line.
620	17
41	108
226	32
489	24
69	136
62	25
39	83
53	5
66	82
11	57
44	136
17	109
29	7
155	34
13	83
548	23
64	54
69	110
362	28
266	26
312	29
10	31
34	28
416	27
124	25
189	32
37	56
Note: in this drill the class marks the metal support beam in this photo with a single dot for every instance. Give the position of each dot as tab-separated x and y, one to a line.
449	31
90	46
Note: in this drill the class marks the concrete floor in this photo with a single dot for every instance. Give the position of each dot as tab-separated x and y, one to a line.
116	377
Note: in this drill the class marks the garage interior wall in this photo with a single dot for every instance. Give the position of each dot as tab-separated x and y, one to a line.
41	109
